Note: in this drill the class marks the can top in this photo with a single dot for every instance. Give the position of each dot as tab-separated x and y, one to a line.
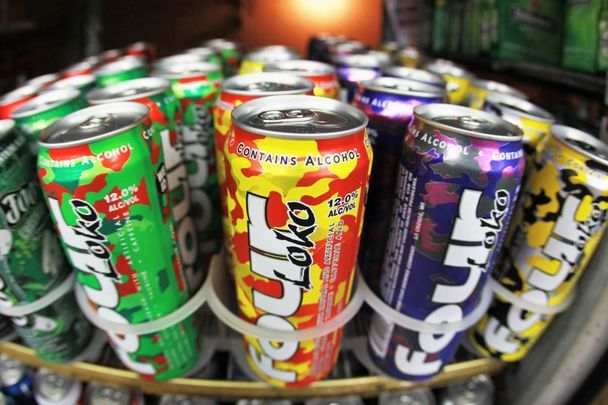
263	84
221	44
477	390
403	87
186	70
507	103
409	52
273	53
74	82
179	59
185	400
140	46
300	67
415	74
582	142
129	90
102	395
45	102
447	69
83	65
363	61
203	51
121	65
6	127
111	53
497	87
467	121
383	58
18	94
11	370
52	387
350	46
92	124
415	397
299	117
40	81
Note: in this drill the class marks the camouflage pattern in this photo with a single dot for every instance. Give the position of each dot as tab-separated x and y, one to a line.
120	70
453	202
110	201
558	223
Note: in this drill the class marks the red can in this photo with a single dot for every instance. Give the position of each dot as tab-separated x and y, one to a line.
16	98
321	74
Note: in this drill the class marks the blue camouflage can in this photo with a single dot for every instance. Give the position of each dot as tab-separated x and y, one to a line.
457	183
389	103
354	69
16	381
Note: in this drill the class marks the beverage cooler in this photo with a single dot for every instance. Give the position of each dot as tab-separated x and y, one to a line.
308	202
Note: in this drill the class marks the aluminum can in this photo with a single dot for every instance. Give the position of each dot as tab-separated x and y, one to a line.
478	390
186	400
110	55
42	81
415	397
82	83
458	179
16	98
558	223
345	48
479	90
178	59
321	74
125	68
196	85
55	389
319	43
32	263
234	92
418	75
230	53
346	400
255	60
84	67
389	103
391	47
353	69
457	78
206	54
16	381
164	107
112	212
409	57
41	111
298	168
146	50
97	394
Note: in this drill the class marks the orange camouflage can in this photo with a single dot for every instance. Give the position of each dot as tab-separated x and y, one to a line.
321	74
298	169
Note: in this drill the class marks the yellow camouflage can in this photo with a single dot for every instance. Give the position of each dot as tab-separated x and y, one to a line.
480	89
409	57
323	75
555	230
457	78
254	61
298	169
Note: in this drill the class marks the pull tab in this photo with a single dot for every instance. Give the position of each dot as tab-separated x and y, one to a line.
471	122
276	117
96	121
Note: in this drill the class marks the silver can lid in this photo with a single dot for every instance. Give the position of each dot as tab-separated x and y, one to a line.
467	121
203	51
11	370
74	82
264	84
362	61
221	44
479	390
267	401
92	124
6	127
18	94
497	87
414	74
123	64
103	395
582	142
449	69
185	70
45	102
504	104
86	64
273	53
416	397
403	87
54	387
43	80
300	67
347	400
178	59
350	46
129	90
299	117
383	58
185	400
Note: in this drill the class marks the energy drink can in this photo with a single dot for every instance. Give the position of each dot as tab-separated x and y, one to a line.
206	54
558	223
352	70
409	57
32	263
97	394
43	81
41	111
389	103
196	87
230	52
125	68
345	48
457	78
234	92
479	90
82	83
255	60
478	390
417	75
16	381
16	98
111	209
458	180
298	168
321	74
319	44
110	55
347	400
146	50
186	400
85	67
156	93
55	389
415	397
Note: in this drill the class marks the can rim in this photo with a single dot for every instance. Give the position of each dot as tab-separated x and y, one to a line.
123	64
104	95
50	100
502	101
298	102
417	89
171	71
562	133
42	80
281	67
222	44
516	132
447	69
416	73
73	82
498	87
18	94
307	85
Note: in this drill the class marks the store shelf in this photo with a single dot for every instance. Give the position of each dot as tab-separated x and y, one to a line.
364	386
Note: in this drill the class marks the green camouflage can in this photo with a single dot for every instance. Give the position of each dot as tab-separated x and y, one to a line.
32	262
156	93
230	53
196	86
206	54
82	83
40	112
102	170
125	68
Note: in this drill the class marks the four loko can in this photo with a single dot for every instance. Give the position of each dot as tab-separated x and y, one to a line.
164	108
55	389
146	50
43	81
457	78
97	394
234	92
353	69
230	53
556	228
16	98
196	87
16	381
124	68
85	67
206	54
418	75
255	60
458	180
389	103
82	83
41	111
298	168
321	74
31	261
479	90
105	180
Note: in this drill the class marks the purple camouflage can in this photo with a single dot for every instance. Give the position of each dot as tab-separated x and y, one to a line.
353	69
389	103
457	182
